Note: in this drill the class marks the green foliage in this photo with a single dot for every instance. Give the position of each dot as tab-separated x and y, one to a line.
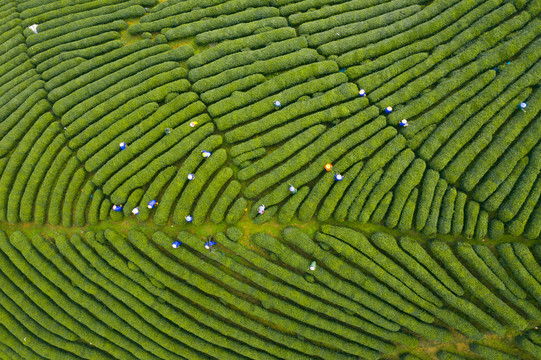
189	27
288	210
233	46
428	187
219	211
489	352
443	253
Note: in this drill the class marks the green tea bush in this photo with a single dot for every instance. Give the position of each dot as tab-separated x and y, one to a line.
428	187
103	148
43	50
221	92
431	226
239	30
189	27
415	250
528	346
194	17
471	215
98	67
304	156
28	170
288	210
41	289
467	252
405	185
335	195
209	195
236	211
284	132
283	153
58	192
300	240
443	253
265	67
331	30
62	67
90	47
493	202
490	352
509	133
392	174
384	328
519	270
360	197
38	174
70	24
192	190
13	166
219	211
248	57
375	163
164	153
445	355
288	8
402	32
72	194
525	192
233	46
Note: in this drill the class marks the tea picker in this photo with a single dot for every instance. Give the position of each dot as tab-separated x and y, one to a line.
277	105
189	218
206	154
292	189
176	244
117	208
403	123
261	209
191	177
522	106
338	177
362	93
388	110
312	266
210	243
152	203
135	211
122	145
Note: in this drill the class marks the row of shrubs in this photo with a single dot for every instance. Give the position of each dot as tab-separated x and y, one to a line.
273	86
478	258
212	296
333	87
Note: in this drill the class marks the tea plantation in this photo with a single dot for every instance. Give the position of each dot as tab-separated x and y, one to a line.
270	179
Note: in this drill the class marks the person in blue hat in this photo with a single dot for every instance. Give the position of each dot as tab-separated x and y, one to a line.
176	244
117	208
210	243
152	203
403	123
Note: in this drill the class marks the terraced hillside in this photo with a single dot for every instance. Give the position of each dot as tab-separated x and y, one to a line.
270	179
